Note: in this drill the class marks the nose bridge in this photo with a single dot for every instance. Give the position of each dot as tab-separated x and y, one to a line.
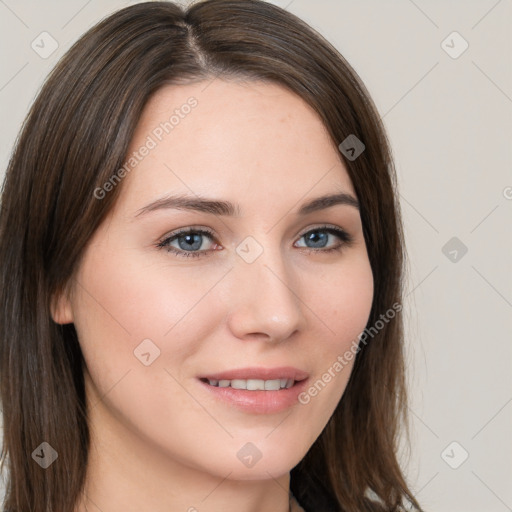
265	295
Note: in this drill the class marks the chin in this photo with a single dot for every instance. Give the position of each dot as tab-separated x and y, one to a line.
249	463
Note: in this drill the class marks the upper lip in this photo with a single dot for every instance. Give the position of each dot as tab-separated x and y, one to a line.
282	372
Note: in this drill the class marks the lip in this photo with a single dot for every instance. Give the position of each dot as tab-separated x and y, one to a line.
258	402
282	372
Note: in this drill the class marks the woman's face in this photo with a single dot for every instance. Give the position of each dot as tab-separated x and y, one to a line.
262	293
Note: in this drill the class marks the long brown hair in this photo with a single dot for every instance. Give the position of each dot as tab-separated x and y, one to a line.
73	141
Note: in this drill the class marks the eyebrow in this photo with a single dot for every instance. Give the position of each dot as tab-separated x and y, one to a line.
226	208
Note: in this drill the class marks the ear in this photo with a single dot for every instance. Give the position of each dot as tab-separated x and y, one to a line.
61	309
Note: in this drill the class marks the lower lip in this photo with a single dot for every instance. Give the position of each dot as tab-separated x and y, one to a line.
259	402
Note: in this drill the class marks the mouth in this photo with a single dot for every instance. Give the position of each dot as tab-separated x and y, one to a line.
251	384
256	378
256	390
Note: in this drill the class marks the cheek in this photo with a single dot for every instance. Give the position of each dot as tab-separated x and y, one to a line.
342	307
343	303
129	300
126	306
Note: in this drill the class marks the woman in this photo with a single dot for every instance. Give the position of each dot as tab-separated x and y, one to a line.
201	257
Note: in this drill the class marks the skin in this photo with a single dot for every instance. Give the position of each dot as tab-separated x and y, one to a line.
160	442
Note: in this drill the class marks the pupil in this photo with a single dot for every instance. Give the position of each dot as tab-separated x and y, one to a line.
317	237
192	241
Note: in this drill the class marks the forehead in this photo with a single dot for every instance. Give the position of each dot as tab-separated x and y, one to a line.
231	138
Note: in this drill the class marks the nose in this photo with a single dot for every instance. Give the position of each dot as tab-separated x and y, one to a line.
264	299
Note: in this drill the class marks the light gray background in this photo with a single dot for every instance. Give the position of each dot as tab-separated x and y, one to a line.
450	125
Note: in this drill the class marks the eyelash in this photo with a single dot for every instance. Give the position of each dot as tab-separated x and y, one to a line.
346	240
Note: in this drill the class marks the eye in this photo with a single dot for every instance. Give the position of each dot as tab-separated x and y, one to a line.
189	242
319	238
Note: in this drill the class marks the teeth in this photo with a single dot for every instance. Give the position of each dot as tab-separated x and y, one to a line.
253	384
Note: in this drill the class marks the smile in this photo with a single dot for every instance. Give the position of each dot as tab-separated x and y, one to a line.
252	384
256	390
